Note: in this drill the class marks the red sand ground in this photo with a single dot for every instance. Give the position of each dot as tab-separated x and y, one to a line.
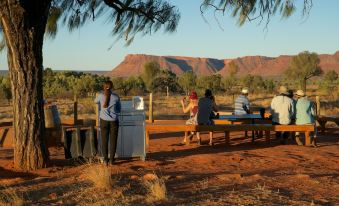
240	174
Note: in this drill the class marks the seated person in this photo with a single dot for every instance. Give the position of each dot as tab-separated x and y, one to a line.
192	108
305	114
205	107
282	110
242	104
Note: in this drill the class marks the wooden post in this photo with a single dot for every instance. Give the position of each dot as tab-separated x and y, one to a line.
187	141
227	137
147	139
75	110
267	136
150	113
317	100
307	139
97	112
167	91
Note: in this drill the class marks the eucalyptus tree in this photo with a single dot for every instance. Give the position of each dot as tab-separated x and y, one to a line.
304	66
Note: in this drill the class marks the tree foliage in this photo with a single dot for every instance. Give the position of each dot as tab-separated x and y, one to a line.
61	84
187	81
150	72
249	10
329	83
303	67
129	16
5	88
165	79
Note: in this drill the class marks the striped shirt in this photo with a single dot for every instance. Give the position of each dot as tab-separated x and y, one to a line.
240	102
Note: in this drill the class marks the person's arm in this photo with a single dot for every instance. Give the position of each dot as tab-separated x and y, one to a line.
97	99
185	109
246	106
214	107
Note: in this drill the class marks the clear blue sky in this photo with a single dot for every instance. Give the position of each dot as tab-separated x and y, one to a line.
88	48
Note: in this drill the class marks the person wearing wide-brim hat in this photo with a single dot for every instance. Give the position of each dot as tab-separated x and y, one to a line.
282	110
305	114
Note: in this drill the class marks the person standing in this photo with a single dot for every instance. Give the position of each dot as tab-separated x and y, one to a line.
305	114
242	104
110	107
206	106
192	108
282	110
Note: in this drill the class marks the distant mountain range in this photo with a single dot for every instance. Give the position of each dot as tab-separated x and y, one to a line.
256	65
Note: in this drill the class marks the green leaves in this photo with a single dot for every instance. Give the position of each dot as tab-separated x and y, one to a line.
128	17
249	10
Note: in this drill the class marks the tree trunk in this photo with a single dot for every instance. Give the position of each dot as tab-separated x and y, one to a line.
23	23
304	85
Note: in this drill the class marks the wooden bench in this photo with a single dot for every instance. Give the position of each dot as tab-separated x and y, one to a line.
266	128
323	119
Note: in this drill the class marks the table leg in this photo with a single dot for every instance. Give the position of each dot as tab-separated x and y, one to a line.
227	137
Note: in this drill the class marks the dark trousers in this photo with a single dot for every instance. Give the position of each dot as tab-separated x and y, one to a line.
109	133
285	135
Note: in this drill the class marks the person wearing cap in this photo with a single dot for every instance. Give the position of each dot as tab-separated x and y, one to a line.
282	110
192	108
305	114
206	106
242	104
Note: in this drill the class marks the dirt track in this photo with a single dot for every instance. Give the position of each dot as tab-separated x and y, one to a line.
240	174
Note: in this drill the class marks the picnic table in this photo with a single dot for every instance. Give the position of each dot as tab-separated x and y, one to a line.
245	119
323	119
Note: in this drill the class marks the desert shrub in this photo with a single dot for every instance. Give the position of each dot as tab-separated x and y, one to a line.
10	197
156	189
99	175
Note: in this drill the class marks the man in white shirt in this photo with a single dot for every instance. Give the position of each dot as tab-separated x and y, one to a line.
282	110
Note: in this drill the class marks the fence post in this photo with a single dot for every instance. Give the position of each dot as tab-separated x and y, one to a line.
75	109
150	111
317	100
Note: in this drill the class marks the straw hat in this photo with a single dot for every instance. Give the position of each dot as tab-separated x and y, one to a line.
283	90
244	90
300	93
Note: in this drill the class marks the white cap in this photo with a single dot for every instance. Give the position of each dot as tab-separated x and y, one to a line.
300	93
244	90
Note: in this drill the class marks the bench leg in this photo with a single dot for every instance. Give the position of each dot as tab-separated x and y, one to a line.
227	138
307	139
267	136
186	140
211	138
198	138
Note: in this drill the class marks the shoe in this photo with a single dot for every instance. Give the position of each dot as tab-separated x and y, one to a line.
298	141
283	141
314	142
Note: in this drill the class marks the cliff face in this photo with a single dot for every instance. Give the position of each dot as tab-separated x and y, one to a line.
256	65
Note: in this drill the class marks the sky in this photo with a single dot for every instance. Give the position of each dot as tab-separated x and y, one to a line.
94	48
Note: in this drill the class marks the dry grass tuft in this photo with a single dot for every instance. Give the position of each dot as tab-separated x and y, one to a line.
10	197
99	175
156	190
